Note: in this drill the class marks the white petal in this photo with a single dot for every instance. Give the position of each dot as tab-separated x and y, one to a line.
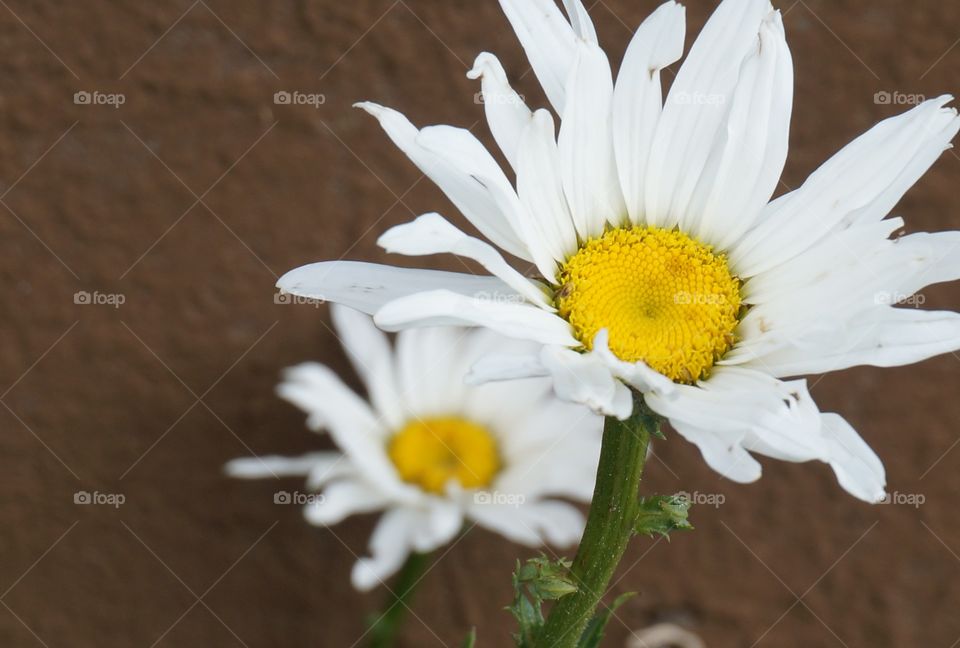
332	405
531	524
390	546
862	183
507	114
587	160
885	337
638	98
734	408
584	378
540	187
342	499
552	450
738	411
558	523
464	153
749	154
430	369
316	390
935	257
723	453
503	519
858	468
401	531
697	106
331	464
438	525
445	308
549	42
742	409
368	286
835	259
636	374
580	20
829	306
432	234
446	168
369	351
505	367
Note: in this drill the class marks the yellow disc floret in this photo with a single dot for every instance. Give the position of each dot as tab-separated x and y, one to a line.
664	298
431	452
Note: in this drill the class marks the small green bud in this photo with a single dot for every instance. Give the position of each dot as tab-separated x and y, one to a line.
663	515
550	589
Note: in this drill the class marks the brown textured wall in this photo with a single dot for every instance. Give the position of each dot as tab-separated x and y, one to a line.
191	197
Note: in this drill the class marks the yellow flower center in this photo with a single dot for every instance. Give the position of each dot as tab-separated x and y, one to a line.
664	298
431	452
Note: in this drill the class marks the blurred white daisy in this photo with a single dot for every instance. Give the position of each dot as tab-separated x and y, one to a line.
433	453
663	263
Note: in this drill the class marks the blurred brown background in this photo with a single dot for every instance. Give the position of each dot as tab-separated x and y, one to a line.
186	202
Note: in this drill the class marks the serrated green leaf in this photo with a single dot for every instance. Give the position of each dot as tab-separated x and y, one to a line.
535	581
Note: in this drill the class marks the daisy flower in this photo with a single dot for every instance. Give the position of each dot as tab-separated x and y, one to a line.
433	453
663	264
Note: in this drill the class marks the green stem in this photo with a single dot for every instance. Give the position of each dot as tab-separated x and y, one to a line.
610	524
383	632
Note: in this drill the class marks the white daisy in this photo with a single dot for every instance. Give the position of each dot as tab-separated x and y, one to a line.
663	264
433	453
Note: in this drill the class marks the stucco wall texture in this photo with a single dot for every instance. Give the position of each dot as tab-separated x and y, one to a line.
189	199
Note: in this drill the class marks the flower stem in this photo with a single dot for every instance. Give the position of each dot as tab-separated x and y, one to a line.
383	632
610	524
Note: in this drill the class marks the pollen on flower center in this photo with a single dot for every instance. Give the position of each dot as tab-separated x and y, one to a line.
431	452
664	298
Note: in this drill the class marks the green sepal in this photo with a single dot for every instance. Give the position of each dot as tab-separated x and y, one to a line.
646	419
